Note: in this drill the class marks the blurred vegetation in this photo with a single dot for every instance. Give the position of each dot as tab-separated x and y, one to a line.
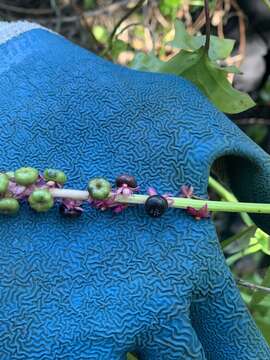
146	35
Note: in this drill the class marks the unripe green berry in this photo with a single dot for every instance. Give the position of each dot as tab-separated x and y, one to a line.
41	200
99	188
4	181
26	176
55	175
9	206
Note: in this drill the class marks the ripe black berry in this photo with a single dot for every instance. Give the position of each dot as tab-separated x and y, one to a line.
156	205
126	179
69	212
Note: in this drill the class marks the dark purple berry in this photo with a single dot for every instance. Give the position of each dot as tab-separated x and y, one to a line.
126	179
69	212
156	205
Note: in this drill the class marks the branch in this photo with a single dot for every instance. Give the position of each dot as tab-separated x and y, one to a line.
21	10
126	16
92	13
252	121
207	25
252	286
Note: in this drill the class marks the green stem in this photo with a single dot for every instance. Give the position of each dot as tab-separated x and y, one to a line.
247	232
180	203
267	3
228	196
221	190
251	249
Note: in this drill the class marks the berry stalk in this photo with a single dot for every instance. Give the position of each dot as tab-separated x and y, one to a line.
178	202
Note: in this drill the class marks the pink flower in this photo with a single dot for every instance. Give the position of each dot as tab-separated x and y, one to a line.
119	208
187	191
152	191
40	180
42	183
103	204
126	190
109	203
71	204
17	191
22	192
202	213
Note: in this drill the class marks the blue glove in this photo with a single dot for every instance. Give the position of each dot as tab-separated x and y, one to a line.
106	284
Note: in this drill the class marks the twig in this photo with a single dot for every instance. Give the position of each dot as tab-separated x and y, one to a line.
21	10
126	16
184	13
127	27
207	25
58	14
218	17
92	13
198	23
242	38
252	121
160	18
252	286
87	25
178	202
149	26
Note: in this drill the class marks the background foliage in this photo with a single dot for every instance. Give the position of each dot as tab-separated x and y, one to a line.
167	36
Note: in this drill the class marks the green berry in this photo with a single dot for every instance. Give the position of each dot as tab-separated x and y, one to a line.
55	175
41	200
10	175
26	176
4	181
9	206
99	188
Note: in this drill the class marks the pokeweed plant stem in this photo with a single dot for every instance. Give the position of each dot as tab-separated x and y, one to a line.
228	196
178	202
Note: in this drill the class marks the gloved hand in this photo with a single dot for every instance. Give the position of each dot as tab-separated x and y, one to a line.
105	284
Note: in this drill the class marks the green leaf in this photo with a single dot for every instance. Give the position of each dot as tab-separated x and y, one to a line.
118	46
169	7
264	326
219	48
88	4
251	249
211	80
180	63
131	357
242	238
232	69
264	240
146	62
257	132
183	40
100	33
259	296
229	69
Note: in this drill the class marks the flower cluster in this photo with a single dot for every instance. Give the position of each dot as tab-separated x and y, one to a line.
28	184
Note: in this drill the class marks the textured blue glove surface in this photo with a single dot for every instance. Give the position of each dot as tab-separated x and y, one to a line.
105	284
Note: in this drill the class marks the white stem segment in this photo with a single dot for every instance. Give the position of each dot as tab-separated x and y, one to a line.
178	202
